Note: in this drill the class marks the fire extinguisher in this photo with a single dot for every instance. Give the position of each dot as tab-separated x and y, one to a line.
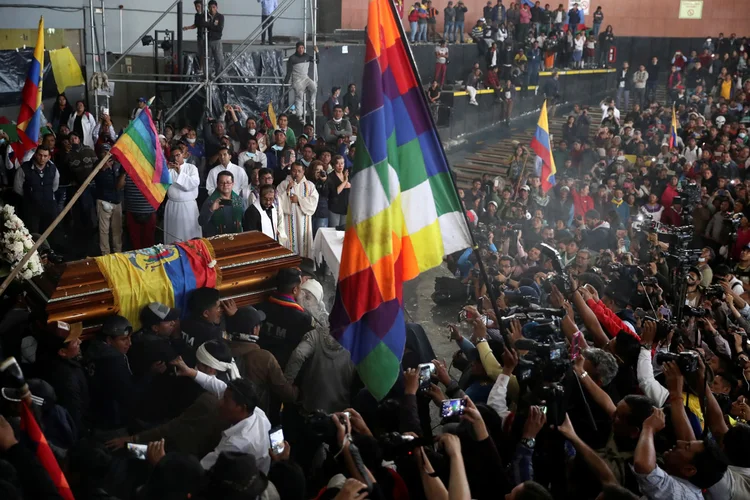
612	55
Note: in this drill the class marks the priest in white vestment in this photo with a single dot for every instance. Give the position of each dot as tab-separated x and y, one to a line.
298	200
263	216
181	211
241	182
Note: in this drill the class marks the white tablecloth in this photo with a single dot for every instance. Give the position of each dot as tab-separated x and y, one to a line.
327	245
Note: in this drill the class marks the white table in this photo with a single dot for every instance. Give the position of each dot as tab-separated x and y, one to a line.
328	245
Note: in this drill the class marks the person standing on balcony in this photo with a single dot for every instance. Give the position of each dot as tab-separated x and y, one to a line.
215	27
266	16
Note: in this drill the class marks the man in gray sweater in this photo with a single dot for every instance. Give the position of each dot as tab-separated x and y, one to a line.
298	71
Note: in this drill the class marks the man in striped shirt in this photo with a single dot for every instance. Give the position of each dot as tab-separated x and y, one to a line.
140	215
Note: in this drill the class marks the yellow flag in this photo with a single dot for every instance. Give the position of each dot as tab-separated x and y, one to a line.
138	278
66	69
272	115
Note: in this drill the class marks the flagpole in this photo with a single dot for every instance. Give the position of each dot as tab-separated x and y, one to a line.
54	224
474	246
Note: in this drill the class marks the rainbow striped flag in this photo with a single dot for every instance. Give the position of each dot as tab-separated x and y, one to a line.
404	212
139	152
30	115
541	145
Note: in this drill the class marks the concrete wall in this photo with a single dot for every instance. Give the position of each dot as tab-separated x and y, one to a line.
643	18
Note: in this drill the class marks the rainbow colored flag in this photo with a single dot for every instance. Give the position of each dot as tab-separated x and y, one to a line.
404	212
540	144
164	273
33	437
30	115
139	152
673	130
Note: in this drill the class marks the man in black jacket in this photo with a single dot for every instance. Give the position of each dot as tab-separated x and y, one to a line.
60	354
215	28
286	321
624	84
205	320
653	79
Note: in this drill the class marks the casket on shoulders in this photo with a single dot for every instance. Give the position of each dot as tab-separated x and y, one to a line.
78	291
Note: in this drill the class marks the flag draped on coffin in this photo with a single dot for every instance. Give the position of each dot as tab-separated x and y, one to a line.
404	213
540	144
139	152
30	114
164	273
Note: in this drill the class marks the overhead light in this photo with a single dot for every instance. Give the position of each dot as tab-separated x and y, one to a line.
147	40
166	45
98	10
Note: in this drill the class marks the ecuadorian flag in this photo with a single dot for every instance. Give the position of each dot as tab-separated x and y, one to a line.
30	115
673	130
541	146
139	152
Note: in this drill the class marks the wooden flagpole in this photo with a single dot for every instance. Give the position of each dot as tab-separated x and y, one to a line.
54	224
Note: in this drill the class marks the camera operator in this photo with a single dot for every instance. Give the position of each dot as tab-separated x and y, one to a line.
724	274
694	295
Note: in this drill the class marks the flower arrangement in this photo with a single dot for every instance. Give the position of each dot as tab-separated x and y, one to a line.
16	242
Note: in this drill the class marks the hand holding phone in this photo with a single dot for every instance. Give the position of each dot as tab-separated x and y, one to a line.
452	408
137	450
425	371
276	437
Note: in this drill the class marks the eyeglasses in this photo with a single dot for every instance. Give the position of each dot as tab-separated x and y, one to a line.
226	183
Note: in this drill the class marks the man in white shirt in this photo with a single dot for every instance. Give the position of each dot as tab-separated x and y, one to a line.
249	426
609	103
241	182
252	153
181	212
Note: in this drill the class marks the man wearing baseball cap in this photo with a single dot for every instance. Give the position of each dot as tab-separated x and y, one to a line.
258	365
286	320
60	356
159	341
112	385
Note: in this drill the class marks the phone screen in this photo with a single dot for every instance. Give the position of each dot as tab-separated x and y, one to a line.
452	408
138	450
425	370
276	435
226	202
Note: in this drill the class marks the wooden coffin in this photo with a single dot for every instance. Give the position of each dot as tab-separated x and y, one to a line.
77	292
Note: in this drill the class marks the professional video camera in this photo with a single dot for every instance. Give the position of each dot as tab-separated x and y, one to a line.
560	279
544	366
714	292
687	361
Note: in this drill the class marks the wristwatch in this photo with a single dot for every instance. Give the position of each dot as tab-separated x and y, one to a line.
528	442
646	346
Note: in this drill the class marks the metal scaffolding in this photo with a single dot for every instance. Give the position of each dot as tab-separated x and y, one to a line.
207	81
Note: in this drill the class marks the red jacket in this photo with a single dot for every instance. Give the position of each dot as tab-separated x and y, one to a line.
671	218
667	196
610	322
581	204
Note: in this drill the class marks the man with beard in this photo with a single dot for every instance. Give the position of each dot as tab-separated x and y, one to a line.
598	236
263	216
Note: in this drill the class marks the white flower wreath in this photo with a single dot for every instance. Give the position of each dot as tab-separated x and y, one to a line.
15	242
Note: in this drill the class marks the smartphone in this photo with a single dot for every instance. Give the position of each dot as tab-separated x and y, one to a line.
276	435
575	348
425	371
139	450
452	408
543	408
287	156
227	203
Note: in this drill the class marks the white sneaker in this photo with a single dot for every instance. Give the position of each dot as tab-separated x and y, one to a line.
475	103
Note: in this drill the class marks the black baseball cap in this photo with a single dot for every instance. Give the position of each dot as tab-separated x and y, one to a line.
156	313
245	320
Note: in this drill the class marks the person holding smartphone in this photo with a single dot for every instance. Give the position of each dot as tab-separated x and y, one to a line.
338	193
223	210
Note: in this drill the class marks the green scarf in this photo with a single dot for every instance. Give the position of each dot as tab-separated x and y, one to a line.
218	220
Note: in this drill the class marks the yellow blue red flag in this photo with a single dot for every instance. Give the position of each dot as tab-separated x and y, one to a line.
30	115
673	130
540	144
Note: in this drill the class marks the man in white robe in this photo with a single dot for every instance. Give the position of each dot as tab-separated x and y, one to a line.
298	200
241	182
181	211
263	216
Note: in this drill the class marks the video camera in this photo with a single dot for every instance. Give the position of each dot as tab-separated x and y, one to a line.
560	279
395	445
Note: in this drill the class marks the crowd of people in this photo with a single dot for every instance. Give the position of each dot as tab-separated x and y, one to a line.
217	179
